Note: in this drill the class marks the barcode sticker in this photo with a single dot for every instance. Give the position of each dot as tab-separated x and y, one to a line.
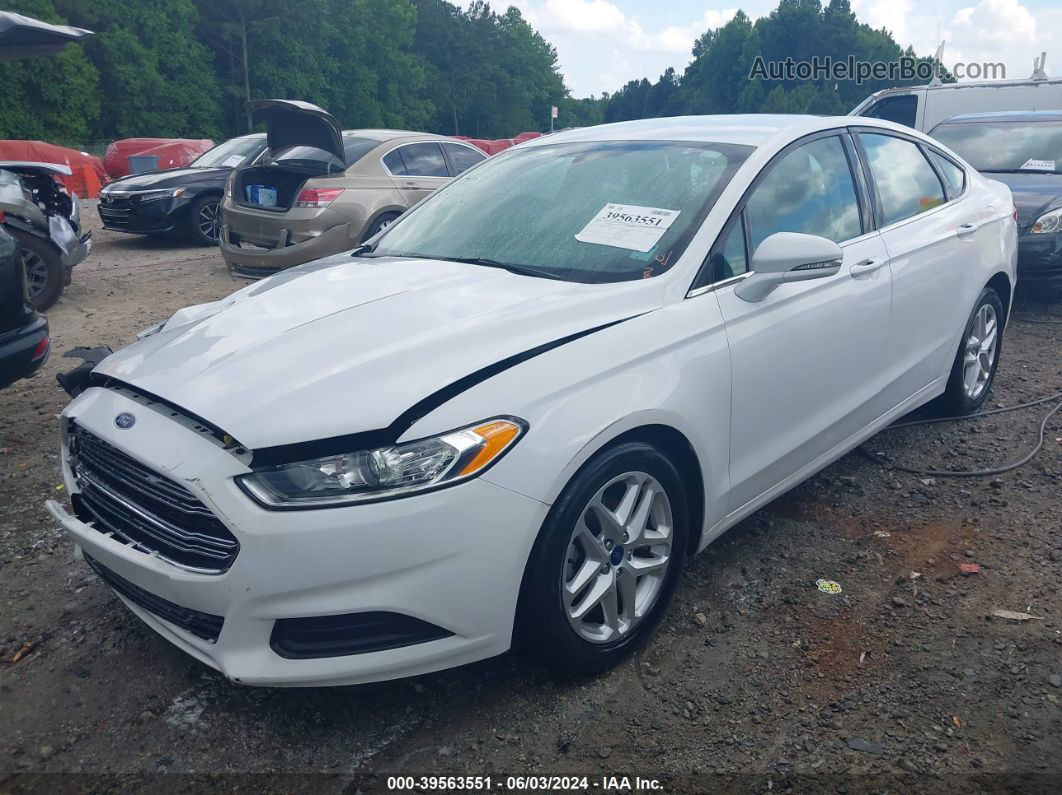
628	226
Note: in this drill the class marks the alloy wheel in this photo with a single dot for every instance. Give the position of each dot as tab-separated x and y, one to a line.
980	355
209	221
36	273
617	558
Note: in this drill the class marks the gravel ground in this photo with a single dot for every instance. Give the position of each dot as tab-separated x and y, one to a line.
755	681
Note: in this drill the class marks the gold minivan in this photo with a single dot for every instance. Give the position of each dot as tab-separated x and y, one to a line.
318	190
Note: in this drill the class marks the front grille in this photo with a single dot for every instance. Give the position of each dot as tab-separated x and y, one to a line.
202	625
120	495
116	211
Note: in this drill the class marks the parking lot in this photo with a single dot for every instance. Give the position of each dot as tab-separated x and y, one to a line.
755	680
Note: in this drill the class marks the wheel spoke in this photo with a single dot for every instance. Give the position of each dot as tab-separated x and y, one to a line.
627	588
639	566
599	589
610	608
582	578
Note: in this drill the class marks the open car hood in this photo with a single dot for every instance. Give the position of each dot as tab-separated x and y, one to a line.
25	37
29	167
291	122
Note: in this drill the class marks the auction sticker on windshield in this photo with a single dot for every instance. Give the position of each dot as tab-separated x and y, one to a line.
628	226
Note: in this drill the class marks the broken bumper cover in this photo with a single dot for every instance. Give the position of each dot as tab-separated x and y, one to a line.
259	262
452	560
72	248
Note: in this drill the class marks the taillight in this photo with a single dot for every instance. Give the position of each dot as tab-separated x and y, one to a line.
1	216
41	349
1014	214
317	197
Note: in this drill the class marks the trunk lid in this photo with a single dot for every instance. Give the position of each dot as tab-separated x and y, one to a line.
291	122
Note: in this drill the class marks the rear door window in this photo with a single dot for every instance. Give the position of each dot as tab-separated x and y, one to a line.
954	177
902	109
907	185
423	160
462	157
394	162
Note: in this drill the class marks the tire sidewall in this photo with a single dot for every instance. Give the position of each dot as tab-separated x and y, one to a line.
53	286
542	620
956	398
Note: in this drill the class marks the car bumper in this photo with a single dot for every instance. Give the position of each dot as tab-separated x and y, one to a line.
453	558
157	217
1039	258
260	261
20	356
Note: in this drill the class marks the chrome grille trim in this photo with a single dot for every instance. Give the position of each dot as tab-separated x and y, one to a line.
122	498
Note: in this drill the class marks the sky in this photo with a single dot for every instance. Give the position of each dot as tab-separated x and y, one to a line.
602	44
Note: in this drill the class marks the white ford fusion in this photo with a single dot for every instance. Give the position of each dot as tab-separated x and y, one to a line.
519	409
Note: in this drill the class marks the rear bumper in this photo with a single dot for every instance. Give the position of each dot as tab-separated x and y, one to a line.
19	355
259	262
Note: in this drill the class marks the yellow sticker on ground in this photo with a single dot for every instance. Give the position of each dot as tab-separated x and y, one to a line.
828	586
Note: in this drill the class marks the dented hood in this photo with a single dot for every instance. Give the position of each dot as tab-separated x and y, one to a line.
347	345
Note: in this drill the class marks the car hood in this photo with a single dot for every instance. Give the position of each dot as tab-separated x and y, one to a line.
1034	194
168	178
345	345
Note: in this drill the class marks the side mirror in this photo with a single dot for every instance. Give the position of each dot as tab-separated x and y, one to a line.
788	257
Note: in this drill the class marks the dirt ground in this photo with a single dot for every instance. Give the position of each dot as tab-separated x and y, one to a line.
756	681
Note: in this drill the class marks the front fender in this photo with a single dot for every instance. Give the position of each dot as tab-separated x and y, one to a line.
669	367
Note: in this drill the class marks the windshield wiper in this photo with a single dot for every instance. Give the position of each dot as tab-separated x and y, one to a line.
522	270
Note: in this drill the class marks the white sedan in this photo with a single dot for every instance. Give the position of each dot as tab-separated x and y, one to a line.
519	409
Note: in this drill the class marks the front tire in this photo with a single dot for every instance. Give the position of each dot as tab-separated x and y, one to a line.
205	220
977	359
45	274
607	560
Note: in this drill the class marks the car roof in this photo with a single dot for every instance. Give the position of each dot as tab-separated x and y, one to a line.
388	135
960	85
750	129
1005	115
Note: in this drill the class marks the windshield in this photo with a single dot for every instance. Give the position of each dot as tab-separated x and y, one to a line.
1006	146
232	153
583	212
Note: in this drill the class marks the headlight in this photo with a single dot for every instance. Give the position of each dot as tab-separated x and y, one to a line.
1048	223
151	195
395	471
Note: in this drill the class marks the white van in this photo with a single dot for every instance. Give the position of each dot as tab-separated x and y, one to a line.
923	107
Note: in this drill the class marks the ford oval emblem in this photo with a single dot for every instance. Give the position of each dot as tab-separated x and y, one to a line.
125	421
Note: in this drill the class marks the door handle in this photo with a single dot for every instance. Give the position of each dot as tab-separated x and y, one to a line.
865	266
966	229
409	186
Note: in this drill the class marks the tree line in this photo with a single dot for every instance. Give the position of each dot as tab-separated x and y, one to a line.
185	68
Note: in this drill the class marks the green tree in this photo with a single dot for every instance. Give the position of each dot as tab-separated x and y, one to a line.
152	78
53	98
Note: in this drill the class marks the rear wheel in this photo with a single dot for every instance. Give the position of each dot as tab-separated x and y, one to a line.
377	226
974	368
607	560
205	215
44	270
